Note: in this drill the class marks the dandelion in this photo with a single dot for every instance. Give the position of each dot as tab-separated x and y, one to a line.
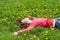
12	16
52	28
46	38
36	9
38	15
15	25
24	34
9	22
38	39
6	18
50	15
25	11
3	19
44	5
56	9
46	32
35	36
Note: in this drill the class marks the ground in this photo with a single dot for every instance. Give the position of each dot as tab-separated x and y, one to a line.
10	10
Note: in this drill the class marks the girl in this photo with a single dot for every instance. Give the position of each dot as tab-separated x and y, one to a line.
32	22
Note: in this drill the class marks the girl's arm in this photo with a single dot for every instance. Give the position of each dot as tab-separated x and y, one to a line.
25	30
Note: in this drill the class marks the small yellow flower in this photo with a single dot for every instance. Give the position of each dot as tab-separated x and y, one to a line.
35	36
44	5
12	16
24	34
46	32
52	28
56	9
6	18
26	11
3	19
24	7
38	39
36	9
9	22
50	15
46	38
50	10
15	25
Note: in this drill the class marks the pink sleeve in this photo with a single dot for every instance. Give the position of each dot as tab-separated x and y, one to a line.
27	29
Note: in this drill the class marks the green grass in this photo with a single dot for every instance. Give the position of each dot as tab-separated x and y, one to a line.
10	10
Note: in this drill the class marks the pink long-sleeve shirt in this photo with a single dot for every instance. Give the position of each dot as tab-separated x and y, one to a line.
42	22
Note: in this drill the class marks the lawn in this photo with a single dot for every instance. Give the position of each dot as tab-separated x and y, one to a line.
10	10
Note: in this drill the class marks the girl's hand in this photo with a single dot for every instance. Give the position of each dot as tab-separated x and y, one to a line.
15	33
